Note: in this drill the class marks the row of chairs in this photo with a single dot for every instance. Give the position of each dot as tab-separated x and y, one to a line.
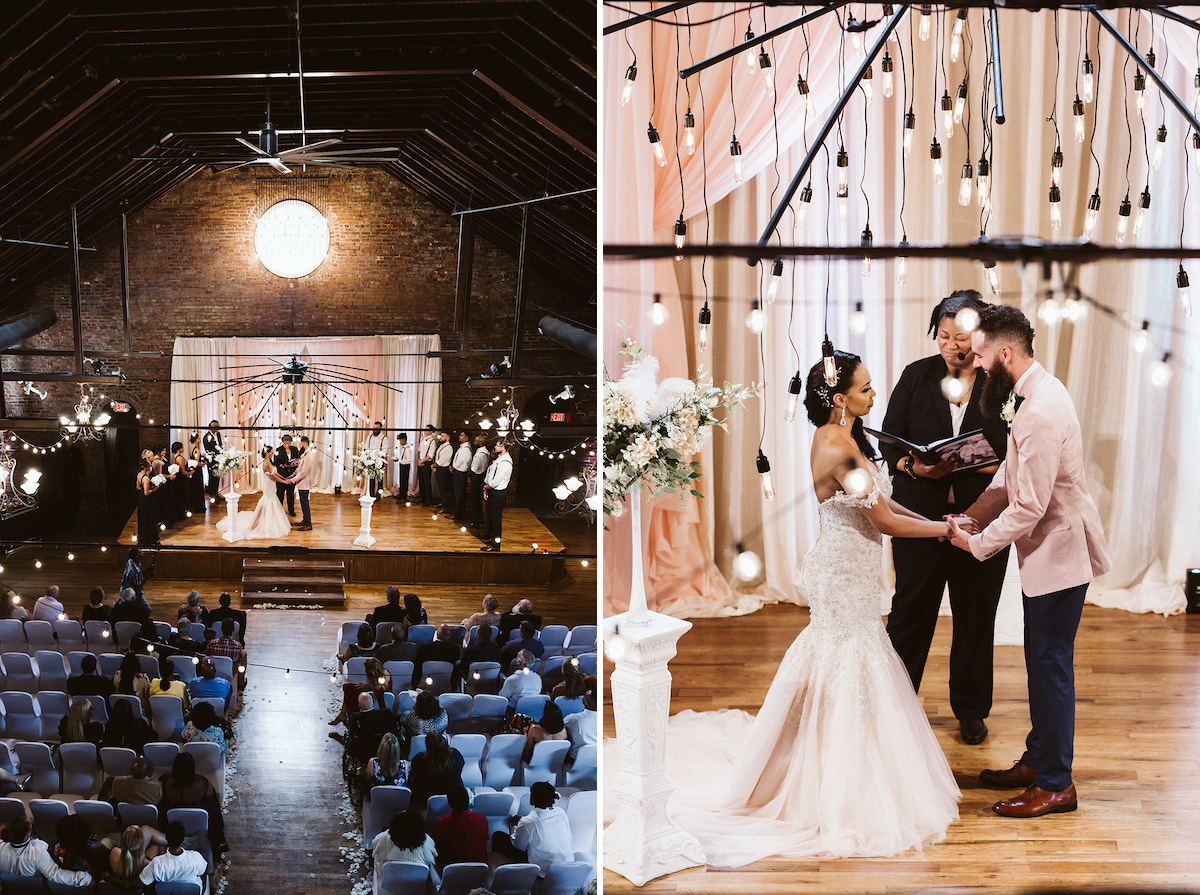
438	677
49	669
410	878
78	770
482	712
36	716
496	762
558	640
93	636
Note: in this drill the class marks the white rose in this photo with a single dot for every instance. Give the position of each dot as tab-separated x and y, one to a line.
173	469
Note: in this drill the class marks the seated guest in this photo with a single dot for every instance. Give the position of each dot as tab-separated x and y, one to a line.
575	681
205	727
193	610
489	616
511	620
184	788
414	612
445	648
176	864
549	728
23	855
131	607
89	682
137	787
388	767
216	616
48	608
181	638
435	771
131	680
127	730
169	684
207	683
378	681
522	681
75	847
398	649
78	726
126	861
485	649
370	724
581	726
391	611
426	716
462	835
228	645
404	840
528	641
95	610
544	833
363	646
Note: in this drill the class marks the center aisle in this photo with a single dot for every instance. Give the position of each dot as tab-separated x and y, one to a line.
283	827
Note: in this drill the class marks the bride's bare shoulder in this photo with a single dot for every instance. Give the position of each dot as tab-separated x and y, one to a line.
830	457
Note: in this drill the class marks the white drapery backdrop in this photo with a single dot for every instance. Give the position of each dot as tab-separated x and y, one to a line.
1136	435
200	366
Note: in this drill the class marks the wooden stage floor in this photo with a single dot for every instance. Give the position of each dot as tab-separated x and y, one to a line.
336	519
1137	760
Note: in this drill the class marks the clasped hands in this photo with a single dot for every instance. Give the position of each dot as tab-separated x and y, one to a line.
962	527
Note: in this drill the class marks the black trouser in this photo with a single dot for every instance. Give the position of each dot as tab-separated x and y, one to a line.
495	514
477	498
402	482
372	487
445	498
289	491
425	483
924	566
460	493
214	481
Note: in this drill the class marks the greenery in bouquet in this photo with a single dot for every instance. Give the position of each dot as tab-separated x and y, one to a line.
370	462
227	460
652	429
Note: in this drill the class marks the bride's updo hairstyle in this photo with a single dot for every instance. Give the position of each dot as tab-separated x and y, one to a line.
818	397
267	451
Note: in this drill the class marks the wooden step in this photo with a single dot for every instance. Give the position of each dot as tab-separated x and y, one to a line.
331	600
312	582
292	566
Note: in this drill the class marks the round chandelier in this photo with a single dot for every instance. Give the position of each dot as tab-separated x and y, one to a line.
291	238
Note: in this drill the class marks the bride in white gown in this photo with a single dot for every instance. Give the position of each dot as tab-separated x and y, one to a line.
267	519
840	760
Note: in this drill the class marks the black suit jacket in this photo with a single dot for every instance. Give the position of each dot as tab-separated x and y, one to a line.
437	651
214	617
387	613
919	412
212	442
286	459
510	621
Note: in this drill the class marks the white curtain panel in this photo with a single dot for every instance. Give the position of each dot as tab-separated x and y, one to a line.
201	366
1137	436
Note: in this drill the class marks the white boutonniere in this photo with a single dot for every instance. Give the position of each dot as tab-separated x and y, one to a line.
1010	408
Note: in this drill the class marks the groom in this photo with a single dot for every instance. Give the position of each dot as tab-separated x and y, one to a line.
1039	501
302	479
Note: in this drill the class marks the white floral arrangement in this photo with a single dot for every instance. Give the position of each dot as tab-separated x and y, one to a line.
192	464
652	429
158	480
227	460
173	469
370	462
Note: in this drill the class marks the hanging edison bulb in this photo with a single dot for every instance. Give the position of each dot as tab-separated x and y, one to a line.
1093	213
768	71
1160	373
806	196
843	168
866	84
866	240
960	102
1141	339
965	181
947	115
858	319
902	265
923	31
1123	213
1139	87
756	320
910	129
1183	292
735	150
773	283
689	132
794	389
992	273
802	86
956	35
935	153
1089	80
889	79
1143	212
1160	144
764	472
1055	208
680	235
1056	166
750	60
658	311
1077	115
983	185
630	77
704	324
660	154
828	364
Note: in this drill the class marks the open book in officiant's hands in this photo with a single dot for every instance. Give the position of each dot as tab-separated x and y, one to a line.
970	450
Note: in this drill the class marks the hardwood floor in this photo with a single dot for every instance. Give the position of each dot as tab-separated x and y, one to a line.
1137	757
286	822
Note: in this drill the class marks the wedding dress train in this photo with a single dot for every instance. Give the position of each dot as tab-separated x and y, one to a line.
840	760
267	520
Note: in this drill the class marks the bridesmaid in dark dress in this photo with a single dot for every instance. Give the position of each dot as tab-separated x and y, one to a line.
146	505
196	501
183	481
171	511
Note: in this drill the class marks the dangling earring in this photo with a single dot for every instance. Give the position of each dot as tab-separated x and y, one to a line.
843	422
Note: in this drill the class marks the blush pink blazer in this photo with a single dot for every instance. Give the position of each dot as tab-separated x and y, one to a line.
304	471
1039	500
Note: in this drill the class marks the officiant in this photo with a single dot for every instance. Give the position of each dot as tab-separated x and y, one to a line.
938	397
287	457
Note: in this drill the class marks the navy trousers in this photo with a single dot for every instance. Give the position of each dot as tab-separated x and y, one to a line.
1051	621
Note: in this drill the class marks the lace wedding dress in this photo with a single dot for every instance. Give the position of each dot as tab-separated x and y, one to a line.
267	520
840	760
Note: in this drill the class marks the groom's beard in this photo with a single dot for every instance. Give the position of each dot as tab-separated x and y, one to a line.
996	389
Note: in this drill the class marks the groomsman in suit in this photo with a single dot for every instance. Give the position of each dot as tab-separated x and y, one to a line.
1038	501
286	458
495	492
479	465
302	479
404	460
462	468
376	440
441	469
212	444
425	451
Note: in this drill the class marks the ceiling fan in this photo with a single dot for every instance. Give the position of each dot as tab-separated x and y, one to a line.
266	150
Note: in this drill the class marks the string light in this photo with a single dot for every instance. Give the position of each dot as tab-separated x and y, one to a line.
843	169
756	320
965	181
630	77
866	241
1093	212
923	31
746	564
947	115
889	79
764	472
1055	207
858	319
935	153
1183	291
902	265
658	314
1077	114
689	132
768	72
1123	214
705	322
750	52
680	235
660	154
805	96
829	365
1056	166
1074	309
967	319
910	129
1050	312
806	196
735	150
794	387
956	35
776	276
857	481
1160	373
865	83
1139	223
1160	145
953	388
960	102
983	185
992	274
1139	87
1089	80
1141	339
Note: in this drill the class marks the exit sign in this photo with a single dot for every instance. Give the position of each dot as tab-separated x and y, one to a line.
560	417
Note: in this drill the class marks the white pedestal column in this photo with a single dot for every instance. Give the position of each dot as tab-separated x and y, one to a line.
231	507
364	538
643	842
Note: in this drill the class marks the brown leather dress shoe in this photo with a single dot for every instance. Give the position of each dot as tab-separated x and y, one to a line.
1016	777
1035	802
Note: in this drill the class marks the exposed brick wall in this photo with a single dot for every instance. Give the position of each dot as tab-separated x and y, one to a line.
193	272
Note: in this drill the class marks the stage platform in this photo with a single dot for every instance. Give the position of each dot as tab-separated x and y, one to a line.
411	546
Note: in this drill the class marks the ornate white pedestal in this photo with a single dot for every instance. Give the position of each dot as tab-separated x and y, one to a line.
643	842
231	507
364	538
